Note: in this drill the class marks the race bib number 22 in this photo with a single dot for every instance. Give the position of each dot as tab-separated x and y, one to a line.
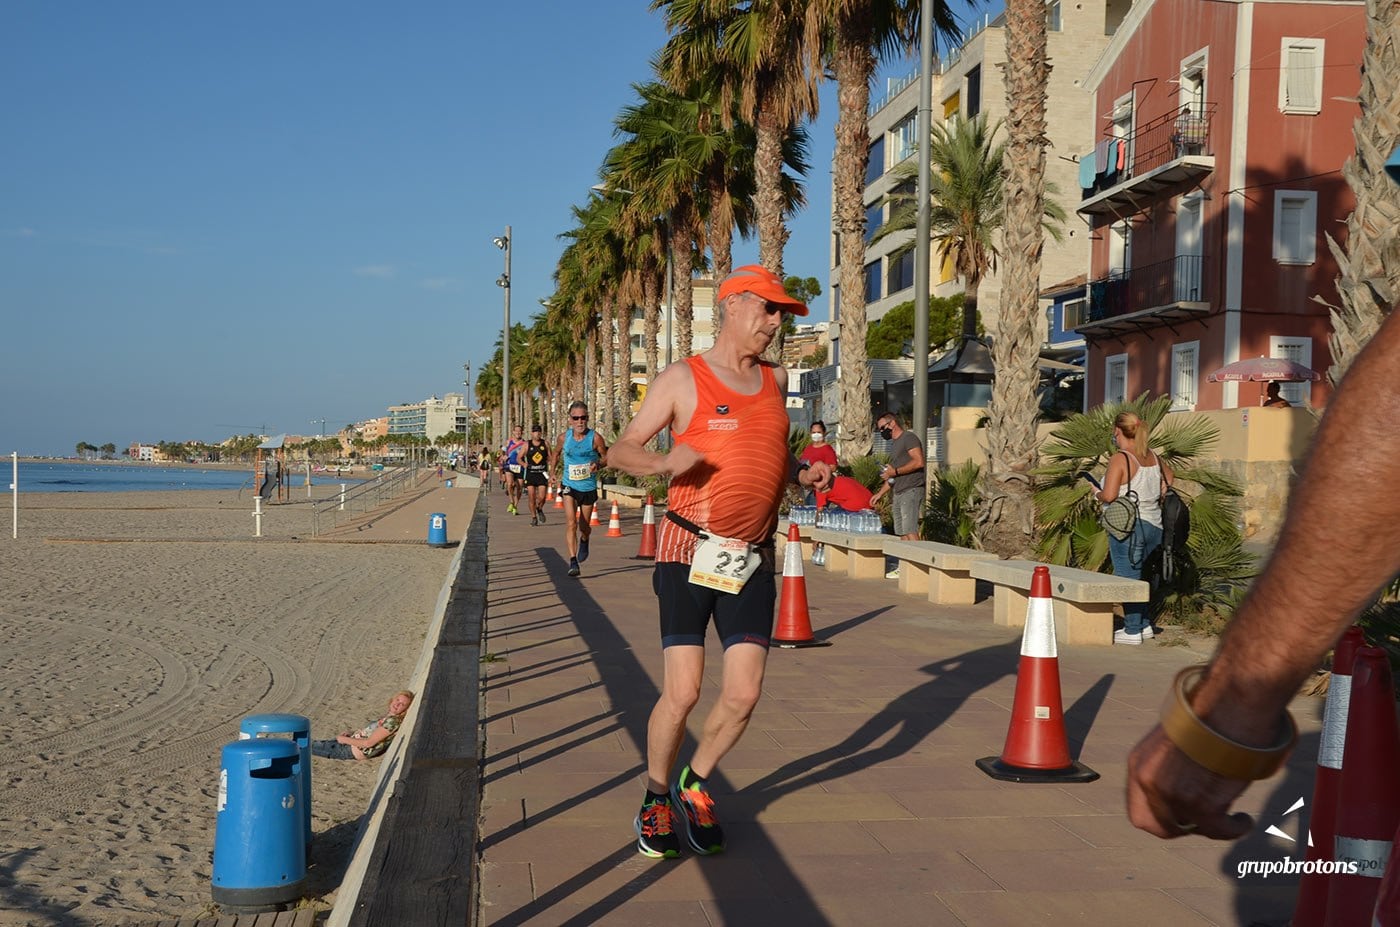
723	564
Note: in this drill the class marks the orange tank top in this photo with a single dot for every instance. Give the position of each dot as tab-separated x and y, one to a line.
735	491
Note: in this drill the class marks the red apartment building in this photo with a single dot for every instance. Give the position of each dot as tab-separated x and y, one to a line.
1222	128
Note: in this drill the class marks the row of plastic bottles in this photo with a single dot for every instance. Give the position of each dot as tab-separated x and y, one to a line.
866	521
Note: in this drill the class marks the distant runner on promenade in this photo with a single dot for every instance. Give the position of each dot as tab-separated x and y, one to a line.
536	474
514	470
580	453
714	557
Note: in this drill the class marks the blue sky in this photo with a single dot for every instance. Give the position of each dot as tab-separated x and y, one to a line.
219	217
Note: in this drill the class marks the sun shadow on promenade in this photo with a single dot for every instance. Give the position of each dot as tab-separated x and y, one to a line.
627	683
15	896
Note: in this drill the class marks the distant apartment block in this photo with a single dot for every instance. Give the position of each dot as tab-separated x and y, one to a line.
968	82
430	418
702	338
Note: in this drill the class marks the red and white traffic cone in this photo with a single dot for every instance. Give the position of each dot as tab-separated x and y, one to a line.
549	492
559	498
794	620
1037	748
1311	909
593	518
614	523
1368	810
647	550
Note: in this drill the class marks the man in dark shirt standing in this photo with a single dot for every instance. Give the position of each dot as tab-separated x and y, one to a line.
905	476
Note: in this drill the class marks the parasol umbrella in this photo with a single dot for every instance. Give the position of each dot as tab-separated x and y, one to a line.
1264	368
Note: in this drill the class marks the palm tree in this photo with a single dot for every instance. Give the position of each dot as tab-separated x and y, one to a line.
1369	282
754	50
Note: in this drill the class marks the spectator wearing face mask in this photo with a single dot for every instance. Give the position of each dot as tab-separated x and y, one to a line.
818	450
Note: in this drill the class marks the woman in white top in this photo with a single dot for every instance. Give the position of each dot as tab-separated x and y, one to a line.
1135	468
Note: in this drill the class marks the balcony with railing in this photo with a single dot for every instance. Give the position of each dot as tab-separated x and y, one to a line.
1145	297
1129	172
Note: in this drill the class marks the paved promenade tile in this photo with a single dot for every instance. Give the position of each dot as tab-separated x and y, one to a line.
853	798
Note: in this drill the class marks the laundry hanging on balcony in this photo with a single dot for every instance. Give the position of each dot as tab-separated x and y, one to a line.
1099	169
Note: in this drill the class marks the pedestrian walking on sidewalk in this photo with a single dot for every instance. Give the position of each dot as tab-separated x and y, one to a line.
714	558
581	453
904	474
536	473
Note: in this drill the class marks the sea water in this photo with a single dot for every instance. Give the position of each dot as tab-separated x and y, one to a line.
76	476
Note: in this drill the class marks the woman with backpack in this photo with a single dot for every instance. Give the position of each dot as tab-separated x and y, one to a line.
1137	474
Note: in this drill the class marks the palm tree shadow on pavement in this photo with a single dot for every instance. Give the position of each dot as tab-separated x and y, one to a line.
627	685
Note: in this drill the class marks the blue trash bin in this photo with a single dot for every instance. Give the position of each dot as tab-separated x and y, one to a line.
299	727
259	849
449	484
437	530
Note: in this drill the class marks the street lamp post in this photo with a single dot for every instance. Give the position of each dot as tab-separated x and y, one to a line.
922	246
467	382
503	281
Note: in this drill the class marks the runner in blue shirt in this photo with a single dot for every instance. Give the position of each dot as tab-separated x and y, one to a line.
579	453
515	470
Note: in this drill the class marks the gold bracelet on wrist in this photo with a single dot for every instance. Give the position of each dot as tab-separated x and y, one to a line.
1213	750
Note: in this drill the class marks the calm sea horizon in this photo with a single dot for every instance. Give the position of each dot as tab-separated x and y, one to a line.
77	476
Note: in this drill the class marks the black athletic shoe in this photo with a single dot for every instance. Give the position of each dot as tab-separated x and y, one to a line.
541	516
534	520
573	566
582	549
697	812
656	830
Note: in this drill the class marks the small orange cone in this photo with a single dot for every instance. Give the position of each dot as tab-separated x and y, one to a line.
1311	908
794	622
1369	809
559	498
614	523
1037	749
593	519
549	492
647	550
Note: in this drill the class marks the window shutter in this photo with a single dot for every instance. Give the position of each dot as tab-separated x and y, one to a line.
1302	67
1291	230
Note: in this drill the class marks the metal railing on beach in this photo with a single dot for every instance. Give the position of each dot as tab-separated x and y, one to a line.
328	513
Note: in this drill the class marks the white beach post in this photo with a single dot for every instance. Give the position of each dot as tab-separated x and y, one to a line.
342	497
257	516
308	477
14	493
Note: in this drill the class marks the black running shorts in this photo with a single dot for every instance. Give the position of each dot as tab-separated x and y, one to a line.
581	497
745	617
536	479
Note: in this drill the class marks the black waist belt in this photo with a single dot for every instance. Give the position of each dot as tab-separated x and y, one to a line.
687	525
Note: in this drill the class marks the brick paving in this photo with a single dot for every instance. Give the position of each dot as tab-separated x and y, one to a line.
852	798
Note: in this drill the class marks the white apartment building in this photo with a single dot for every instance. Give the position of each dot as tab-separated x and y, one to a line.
430	418
969	82
702	338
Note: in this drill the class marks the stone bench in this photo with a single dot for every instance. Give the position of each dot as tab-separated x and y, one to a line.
780	539
859	556
940	571
628	497
1084	601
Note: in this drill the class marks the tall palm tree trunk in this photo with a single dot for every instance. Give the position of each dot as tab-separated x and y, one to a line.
853	65
590	369
651	322
682	266
721	228
622	313
1006	522
607	415
1369	282
768	178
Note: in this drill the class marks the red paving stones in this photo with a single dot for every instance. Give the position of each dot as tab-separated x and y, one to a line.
852	798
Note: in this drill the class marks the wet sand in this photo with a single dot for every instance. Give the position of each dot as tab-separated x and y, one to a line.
136	631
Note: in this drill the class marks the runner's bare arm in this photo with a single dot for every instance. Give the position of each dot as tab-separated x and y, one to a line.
1336	549
601	447
670	400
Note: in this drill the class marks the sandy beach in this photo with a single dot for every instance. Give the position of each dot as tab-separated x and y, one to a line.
136	631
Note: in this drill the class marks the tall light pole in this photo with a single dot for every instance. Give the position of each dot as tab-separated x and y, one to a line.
922	244
503	281
467	382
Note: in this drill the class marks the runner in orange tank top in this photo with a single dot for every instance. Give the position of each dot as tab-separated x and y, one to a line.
728	467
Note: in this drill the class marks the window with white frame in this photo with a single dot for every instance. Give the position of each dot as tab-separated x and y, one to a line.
1300	76
1299	350
1295	226
1192	89
1115	381
1185	364
904	139
1053	23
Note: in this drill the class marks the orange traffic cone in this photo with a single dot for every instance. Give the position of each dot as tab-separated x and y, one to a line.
1037	749
1311	909
559	498
1369	808
1388	901
614	523
647	550
549	492
593	519
794	622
